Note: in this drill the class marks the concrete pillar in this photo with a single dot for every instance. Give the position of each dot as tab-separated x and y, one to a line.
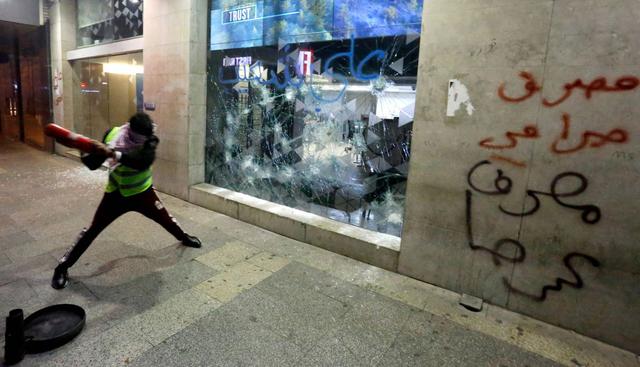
62	18
486	70
175	49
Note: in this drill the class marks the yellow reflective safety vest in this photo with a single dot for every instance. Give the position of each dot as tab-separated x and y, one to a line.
125	179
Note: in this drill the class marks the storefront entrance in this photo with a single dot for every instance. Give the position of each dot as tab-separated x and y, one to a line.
24	83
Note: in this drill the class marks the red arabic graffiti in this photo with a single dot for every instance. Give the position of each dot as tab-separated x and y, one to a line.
590	139
600	84
624	83
529	132
531	87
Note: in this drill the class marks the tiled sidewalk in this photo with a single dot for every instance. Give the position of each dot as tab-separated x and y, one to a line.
247	298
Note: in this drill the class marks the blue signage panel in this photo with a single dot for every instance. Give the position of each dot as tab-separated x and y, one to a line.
243	14
377	18
251	23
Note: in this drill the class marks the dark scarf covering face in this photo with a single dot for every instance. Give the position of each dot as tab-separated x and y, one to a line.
126	141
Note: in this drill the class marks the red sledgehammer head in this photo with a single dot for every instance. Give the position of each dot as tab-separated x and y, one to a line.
70	139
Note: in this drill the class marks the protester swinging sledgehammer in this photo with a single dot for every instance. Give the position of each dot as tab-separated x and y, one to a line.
129	150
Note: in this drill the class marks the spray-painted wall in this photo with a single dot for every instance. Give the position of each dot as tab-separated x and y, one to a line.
523	183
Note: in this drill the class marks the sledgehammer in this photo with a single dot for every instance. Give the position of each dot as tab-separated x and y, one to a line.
72	140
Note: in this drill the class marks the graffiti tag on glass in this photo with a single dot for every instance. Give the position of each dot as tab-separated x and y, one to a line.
256	73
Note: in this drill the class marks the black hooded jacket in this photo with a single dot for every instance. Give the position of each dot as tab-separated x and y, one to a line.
139	159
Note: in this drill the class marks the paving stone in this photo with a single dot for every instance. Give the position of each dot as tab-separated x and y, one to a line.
61	241
15	295
15	239
26	267
371	325
277	244
75	292
245	232
228	284
269	261
4	260
164	320
338	265
114	347
332	352
7	225
295	278
116	273
8	205
408	290
301	290
228	255
429	340
46	212
301	325
70	225
232	339
210	237
103	315
148	235
175	254
151	289
104	260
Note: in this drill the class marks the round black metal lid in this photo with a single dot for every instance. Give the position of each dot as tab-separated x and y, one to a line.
52	327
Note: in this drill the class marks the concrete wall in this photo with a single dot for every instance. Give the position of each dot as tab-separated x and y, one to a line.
175	34
573	259
20	11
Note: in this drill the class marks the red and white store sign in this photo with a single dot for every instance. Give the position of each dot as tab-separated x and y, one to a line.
305	60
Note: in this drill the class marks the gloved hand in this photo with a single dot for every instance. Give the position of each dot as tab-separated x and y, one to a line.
151	142
103	150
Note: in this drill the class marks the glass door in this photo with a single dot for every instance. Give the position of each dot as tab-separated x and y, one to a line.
108	91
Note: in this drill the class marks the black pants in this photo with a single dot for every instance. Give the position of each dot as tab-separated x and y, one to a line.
114	205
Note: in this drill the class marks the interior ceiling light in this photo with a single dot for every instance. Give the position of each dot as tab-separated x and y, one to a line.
122	69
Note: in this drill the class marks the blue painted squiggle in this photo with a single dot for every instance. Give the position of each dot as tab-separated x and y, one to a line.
299	80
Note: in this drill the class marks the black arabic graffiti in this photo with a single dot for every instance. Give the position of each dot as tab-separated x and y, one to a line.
578	283
502	185
590	213
498	245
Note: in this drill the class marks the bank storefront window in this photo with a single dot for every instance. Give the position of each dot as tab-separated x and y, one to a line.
311	104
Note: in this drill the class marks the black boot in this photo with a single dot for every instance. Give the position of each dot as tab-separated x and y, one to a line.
60	278
191	241
60	275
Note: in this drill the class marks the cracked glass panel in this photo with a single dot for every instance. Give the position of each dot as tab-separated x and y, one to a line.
311	103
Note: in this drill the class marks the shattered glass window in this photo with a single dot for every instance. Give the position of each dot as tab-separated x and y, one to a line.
311	103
